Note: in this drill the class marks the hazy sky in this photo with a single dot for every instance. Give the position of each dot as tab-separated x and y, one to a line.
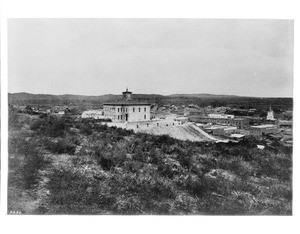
162	56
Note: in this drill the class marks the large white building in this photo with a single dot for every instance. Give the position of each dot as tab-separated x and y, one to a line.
94	114
127	109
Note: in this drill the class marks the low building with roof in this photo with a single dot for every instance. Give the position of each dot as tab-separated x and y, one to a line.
94	114
127	109
240	123
224	130
261	130
182	119
220	116
237	137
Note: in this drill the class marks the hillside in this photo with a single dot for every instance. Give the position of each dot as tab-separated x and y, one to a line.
202	95
71	166
176	99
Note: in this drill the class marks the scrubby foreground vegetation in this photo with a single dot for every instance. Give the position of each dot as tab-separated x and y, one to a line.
68	166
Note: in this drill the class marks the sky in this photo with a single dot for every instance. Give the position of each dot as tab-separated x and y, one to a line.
151	56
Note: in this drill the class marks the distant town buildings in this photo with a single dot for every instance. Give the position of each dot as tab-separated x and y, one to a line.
127	109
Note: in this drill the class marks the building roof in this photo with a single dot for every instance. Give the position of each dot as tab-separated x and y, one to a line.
127	91
264	126
240	119
92	111
181	118
127	103
230	128
229	119
260	146
222	114
237	135
213	127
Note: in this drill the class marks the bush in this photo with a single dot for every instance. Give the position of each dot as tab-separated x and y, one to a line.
56	128
13	119
26	164
38	125
104	159
195	185
61	146
51	126
120	172
86	129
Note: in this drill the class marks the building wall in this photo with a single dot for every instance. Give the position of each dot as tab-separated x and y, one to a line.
138	113
220	116
270	115
110	112
135	113
260	131
239	123
223	131
92	114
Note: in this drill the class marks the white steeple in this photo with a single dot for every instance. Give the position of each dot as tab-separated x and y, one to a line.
270	115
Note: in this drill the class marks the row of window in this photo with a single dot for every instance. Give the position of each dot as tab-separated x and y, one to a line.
120	117
228	122
122	109
133	109
109	108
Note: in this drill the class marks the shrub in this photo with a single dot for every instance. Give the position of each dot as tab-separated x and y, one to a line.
56	128
26	164
13	120
61	146
104	159
86	129
51	126
195	185
38	125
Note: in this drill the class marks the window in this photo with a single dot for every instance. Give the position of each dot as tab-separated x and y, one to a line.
139	109
118	117
144	116
133	109
121	116
118	109
145	109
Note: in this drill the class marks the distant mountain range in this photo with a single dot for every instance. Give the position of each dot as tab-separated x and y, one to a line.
107	97
203	95
29	96
203	99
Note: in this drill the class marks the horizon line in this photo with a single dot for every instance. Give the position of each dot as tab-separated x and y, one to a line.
154	94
